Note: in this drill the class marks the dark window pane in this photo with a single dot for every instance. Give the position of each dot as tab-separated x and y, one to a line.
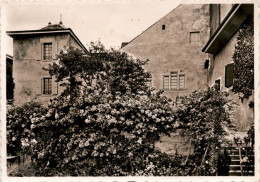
229	75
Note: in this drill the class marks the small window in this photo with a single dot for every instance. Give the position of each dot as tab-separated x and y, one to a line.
47	86
47	51
163	27
149	82
229	69
194	36
217	84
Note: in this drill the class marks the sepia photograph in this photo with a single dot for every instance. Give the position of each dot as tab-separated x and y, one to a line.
130	89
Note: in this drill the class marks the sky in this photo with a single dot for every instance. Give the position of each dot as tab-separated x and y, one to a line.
111	22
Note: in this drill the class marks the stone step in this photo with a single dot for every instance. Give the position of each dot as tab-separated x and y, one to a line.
234	173
234	157
235	162
234	167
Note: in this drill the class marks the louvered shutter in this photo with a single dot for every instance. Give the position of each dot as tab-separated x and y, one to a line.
54	86
229	75
54	50
39	86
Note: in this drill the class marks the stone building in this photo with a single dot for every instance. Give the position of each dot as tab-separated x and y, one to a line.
178	66
33	50
225	22
173	46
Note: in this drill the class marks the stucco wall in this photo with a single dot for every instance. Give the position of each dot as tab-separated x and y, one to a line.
28	65
170	49
243	115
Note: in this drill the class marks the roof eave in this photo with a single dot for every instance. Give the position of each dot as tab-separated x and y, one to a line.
228	27
32	32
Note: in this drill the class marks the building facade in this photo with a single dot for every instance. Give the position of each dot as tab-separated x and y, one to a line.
173	46
33	50
225	23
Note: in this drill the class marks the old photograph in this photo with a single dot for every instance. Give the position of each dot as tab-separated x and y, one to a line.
128	88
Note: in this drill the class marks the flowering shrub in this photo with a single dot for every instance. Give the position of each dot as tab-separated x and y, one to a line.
98	134
107	120
104	123
19	121
202	117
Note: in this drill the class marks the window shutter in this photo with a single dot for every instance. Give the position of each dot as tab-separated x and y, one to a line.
42	50
166	82
229	75
54	85
39	86
54	50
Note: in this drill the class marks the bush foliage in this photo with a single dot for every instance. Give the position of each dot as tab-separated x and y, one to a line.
244	61
107	120
202	117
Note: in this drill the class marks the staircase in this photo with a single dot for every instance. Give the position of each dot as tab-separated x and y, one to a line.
235	168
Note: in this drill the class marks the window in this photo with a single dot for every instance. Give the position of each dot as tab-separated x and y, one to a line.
47	86
194	36
47	51
229	69
174	81
163	27
149	82
217	83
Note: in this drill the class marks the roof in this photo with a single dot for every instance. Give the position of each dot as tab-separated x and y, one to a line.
54	26
228	27
125	45
49	29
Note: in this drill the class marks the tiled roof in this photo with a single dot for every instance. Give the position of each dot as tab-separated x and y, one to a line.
54	26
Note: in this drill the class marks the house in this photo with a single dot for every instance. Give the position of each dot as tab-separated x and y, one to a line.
33	50
225	23
173	46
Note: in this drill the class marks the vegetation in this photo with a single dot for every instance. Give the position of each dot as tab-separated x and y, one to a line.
202	117
107	120
244	61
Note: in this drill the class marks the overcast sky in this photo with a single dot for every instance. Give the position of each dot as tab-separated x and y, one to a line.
111	22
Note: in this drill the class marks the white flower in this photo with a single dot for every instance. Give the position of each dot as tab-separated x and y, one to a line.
48	114
86	143
87	121
34	141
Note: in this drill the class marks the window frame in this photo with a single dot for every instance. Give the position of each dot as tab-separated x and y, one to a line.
49	89
191	32
228	84
49	56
